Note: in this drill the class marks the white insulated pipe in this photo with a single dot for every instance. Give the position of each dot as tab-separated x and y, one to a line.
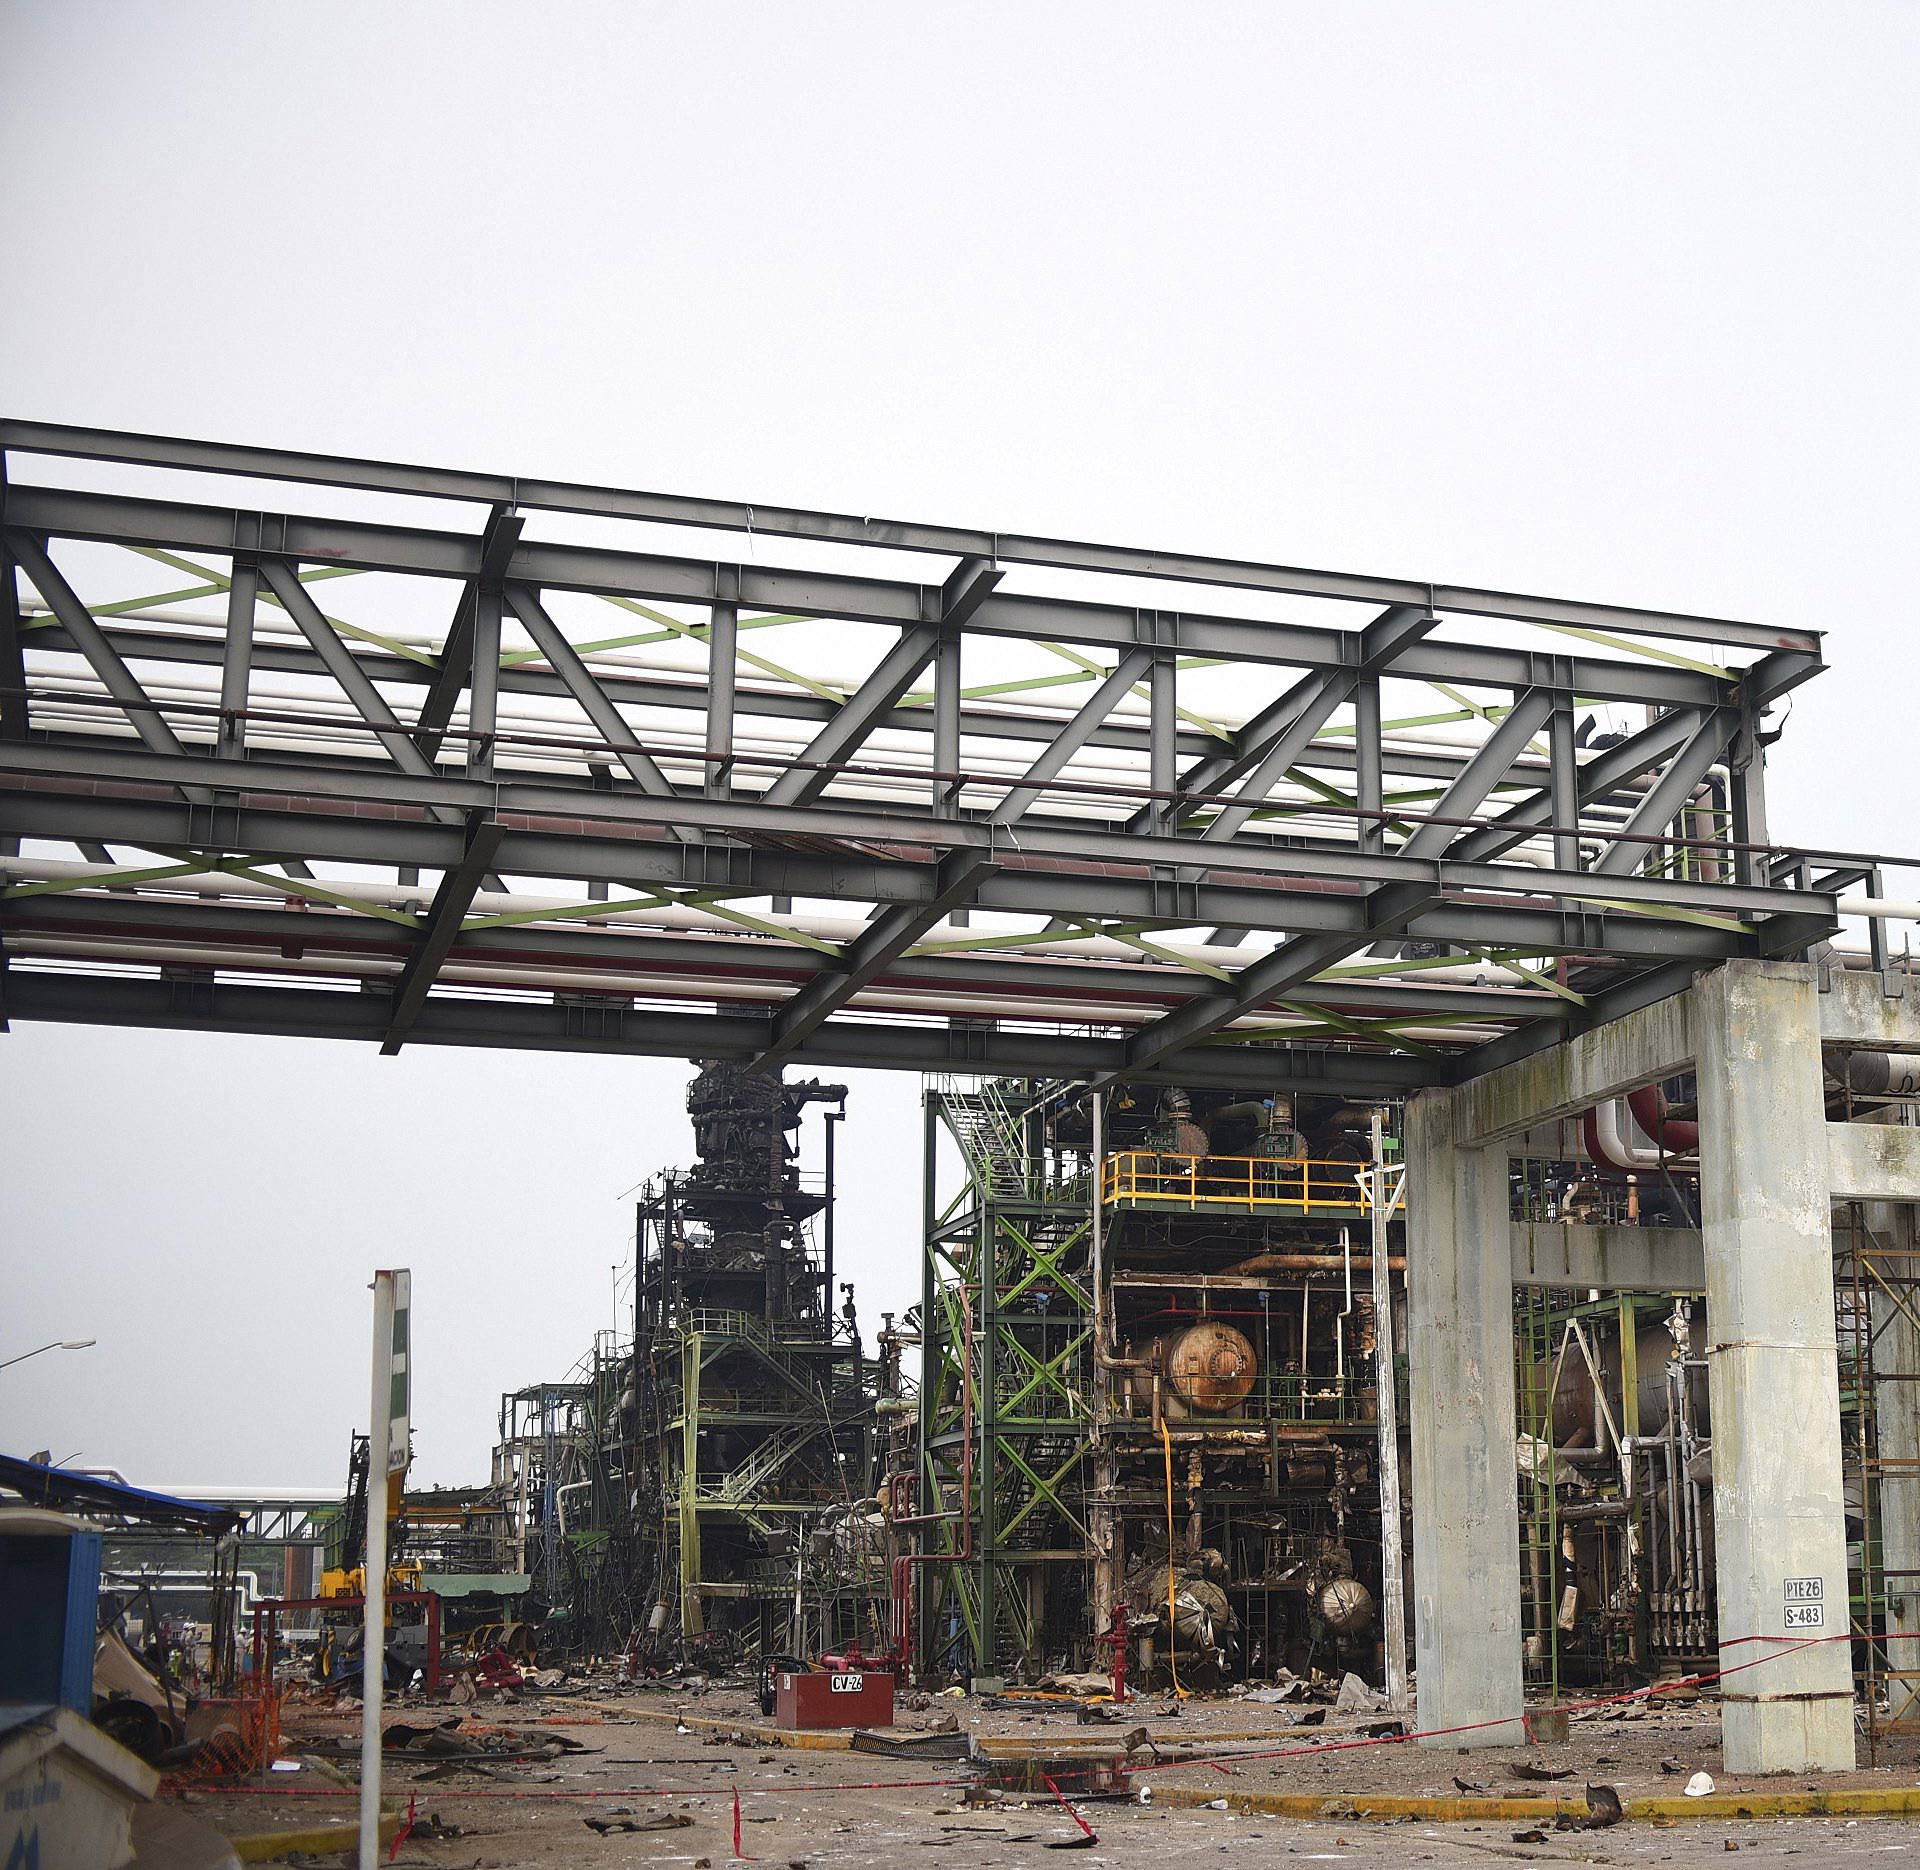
837	929
110	951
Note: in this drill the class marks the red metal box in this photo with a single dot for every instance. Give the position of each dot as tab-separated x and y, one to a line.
829	1698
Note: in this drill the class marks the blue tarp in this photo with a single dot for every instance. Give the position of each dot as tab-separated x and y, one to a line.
63	1489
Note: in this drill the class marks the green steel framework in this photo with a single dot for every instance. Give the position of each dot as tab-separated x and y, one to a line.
1007	1307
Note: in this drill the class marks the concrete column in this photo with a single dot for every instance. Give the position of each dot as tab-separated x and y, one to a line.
1773	1375
1896	1411
1466	1528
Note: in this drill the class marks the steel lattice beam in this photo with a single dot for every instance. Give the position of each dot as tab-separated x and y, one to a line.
1105	814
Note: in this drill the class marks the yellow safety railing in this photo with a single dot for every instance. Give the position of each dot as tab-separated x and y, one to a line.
1145	1177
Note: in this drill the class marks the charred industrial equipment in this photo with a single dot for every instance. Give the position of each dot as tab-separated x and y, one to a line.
707	1490
1149	1382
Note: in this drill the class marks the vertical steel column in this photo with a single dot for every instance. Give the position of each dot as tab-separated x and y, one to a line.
946	738
1162	726
723	633
834	1119
692	1614
986	1409
1564	758
1748	777
236	664
1369	776
13	666
946	725
1101	1519
932	1340
483	691
1393	1604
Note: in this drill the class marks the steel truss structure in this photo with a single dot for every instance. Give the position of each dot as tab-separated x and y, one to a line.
1007	1384
837	790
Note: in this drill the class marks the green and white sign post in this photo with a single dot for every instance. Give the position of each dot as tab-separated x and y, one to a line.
388	1445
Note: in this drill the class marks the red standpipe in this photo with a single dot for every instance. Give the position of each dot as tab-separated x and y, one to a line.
898	1658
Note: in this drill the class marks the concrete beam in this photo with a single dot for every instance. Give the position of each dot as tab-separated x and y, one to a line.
1856	1010
1638	1048
1615	1259
1873	1162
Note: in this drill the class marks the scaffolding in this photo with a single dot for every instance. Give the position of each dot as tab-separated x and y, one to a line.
1877	1320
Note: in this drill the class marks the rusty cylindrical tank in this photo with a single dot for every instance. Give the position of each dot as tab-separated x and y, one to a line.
1207	1368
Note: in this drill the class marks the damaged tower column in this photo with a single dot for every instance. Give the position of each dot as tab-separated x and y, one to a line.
1779	1516
1466	1555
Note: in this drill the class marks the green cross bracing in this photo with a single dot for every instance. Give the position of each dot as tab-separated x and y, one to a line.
1007	1311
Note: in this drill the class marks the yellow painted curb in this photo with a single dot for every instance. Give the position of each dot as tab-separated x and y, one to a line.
1858	1802
265	1847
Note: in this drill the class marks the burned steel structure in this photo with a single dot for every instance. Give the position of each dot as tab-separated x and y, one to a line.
703	1490
754	1401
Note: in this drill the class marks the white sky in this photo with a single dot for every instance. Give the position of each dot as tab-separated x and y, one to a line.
1604	301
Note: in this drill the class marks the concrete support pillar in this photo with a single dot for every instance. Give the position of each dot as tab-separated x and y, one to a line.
1773	1376
1896	1412
1466	1532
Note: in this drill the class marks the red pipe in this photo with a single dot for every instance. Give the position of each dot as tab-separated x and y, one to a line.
1675	1135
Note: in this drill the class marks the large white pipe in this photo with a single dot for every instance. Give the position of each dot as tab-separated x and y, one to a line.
838	929
683	659
1620	1139
1880	908
1884	1074
108	951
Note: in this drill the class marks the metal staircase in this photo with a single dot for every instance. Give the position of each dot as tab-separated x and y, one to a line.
990	1135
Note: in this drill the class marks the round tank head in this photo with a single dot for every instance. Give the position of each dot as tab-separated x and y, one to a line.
1346	1606
1211	1367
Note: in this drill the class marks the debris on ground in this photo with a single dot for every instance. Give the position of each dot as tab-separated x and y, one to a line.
656	1821
1355	1697
1532	1769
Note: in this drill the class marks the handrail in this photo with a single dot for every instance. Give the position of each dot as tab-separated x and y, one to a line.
1297	1185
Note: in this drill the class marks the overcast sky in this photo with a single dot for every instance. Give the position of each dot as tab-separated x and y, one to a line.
1603	301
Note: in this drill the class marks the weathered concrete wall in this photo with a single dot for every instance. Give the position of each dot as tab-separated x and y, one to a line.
1873	1162
1856	1010
1466	1549
1616	1259
1772	1373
